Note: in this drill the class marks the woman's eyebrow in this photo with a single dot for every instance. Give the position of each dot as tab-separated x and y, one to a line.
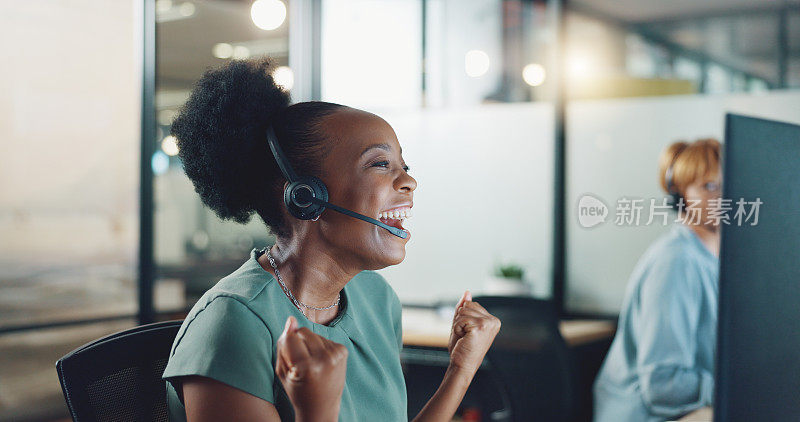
385	147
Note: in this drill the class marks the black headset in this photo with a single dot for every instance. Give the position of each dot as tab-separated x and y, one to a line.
675	199
306	197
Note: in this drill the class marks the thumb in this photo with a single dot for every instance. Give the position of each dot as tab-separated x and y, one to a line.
461	301
282	364
289	327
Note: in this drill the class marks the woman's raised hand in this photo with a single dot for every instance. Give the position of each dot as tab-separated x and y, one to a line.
312	370
474	329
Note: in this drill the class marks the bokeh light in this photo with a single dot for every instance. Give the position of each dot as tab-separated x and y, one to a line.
284	77
268	14
170	146
476	63
534	74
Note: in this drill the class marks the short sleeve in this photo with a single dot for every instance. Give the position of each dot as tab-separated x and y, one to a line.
229	343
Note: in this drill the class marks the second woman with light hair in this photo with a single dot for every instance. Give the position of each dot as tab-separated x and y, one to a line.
661	363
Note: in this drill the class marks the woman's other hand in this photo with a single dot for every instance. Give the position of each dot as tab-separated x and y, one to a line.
474	330
312	370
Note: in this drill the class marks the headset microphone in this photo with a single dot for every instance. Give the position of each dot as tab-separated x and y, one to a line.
307	196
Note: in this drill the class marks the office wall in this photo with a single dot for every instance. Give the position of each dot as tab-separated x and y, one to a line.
484	196
612	152
69	179
69	158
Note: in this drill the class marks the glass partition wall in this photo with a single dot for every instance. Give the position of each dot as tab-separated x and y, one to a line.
193	248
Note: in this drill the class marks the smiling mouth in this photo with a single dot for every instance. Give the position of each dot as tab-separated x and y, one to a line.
395	217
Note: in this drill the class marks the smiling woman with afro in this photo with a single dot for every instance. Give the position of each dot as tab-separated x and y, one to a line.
304	330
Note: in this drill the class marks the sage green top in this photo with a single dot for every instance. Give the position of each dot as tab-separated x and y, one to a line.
231	335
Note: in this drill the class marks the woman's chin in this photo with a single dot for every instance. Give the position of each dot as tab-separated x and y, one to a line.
385	249
389	256
397	260
394	256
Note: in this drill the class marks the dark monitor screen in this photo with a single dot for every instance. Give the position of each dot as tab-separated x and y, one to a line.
758	353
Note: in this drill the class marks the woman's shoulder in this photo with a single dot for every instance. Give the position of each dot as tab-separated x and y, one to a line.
672	247
245	283
237	296
223	324
670	266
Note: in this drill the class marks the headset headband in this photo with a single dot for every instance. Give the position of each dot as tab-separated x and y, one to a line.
283	163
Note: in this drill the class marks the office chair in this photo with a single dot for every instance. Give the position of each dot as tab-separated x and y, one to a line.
531	360
118	377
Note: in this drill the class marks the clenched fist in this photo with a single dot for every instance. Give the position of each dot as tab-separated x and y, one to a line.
473	332
312	370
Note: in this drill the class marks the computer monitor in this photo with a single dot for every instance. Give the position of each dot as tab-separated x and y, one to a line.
758	347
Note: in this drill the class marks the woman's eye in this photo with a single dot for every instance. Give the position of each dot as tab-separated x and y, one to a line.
386	164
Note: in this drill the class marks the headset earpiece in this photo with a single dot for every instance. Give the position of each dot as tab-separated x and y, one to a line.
296	193
675	198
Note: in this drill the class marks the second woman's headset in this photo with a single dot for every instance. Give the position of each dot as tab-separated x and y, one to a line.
306	197
675	198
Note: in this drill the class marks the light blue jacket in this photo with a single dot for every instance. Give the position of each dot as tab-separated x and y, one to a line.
661	362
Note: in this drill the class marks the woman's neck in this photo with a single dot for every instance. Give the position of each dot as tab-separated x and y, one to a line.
313	274
709	237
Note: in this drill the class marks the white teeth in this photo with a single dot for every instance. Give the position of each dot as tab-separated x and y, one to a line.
400	214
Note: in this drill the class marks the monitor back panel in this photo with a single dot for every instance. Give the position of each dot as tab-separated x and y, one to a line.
758	366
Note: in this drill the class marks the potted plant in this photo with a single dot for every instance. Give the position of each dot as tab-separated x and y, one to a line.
508	280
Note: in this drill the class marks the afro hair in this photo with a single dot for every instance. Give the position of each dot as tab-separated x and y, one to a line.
221	138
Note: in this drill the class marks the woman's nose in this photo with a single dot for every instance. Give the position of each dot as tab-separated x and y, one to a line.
405	183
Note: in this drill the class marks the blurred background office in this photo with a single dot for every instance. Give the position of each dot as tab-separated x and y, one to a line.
510	112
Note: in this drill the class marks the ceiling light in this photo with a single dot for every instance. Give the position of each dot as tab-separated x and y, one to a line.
268	14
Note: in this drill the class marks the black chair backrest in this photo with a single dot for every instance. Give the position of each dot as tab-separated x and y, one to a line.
118	377
531	359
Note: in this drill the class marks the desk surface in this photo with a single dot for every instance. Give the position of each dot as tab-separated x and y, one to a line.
426	327
703	414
